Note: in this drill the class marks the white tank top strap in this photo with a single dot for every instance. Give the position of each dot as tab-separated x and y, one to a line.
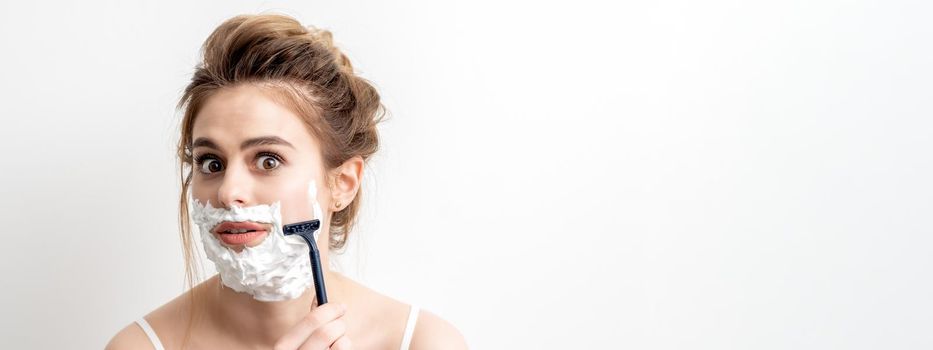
410	327
153	338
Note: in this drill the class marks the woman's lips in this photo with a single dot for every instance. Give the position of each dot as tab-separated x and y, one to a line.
254	234
241	238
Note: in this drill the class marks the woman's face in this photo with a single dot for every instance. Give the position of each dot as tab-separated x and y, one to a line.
249	150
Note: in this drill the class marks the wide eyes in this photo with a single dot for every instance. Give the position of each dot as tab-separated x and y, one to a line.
267	162
209	164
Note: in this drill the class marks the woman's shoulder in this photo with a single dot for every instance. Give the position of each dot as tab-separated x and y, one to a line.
167	321
130	337
430	330
434	332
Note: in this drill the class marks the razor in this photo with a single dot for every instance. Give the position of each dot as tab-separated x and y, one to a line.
307	229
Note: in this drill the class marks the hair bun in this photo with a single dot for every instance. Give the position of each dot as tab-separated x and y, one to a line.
325	37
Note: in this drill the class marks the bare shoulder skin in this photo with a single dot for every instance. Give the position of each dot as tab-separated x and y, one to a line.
433	332
130	337
168	321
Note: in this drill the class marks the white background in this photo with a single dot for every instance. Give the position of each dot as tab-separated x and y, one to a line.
645	175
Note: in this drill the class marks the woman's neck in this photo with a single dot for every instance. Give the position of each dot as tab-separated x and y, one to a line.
251	321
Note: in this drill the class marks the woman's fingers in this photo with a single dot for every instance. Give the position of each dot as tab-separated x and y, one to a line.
316	319
342	343
325	335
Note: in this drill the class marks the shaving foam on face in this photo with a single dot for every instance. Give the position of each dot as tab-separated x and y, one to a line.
275	270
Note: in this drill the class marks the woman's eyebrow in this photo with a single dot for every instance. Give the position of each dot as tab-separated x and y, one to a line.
256	141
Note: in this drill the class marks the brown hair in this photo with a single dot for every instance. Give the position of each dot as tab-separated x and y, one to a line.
304	69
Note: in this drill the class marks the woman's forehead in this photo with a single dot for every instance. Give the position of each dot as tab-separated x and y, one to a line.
235	114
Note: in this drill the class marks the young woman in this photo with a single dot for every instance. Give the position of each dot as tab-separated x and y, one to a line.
276	123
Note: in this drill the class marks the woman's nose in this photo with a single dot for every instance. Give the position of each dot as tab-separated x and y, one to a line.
235	188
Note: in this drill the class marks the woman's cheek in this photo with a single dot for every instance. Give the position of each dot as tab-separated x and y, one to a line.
200	193
296	205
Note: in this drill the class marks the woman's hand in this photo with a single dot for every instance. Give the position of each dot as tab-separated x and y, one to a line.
323	328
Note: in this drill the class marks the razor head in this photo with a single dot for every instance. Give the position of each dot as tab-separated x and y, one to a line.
302	228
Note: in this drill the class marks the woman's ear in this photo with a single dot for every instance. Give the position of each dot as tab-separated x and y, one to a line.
346	182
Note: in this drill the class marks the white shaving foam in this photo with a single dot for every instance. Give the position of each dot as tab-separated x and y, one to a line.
275	270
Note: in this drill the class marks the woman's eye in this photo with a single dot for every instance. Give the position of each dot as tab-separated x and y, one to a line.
210	165
267	162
